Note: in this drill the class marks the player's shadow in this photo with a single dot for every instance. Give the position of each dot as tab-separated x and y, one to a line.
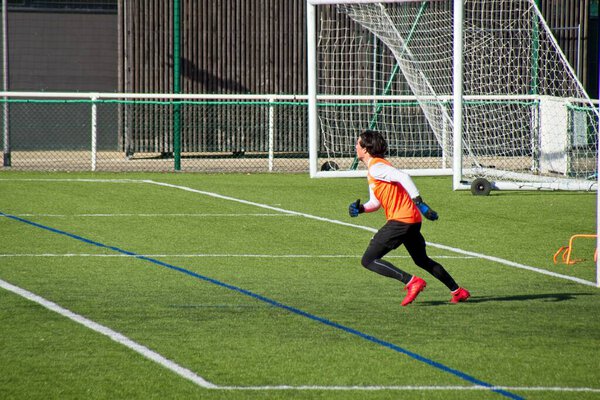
549	297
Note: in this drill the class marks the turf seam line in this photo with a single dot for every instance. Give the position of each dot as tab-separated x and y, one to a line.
92	180
154	215
275	303
334	221
199	255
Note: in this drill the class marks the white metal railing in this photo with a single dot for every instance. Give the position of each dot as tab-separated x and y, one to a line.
96	97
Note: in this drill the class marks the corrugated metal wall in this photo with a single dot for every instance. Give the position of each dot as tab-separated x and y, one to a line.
243	46
259	46
227	47
569	21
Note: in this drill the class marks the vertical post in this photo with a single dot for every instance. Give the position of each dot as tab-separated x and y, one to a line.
535	56
312	88
5	125
457	94
176	85
94	124
271	131
534	86
598	195
579	67
445	143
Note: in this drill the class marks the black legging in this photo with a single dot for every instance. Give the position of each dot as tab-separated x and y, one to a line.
391	236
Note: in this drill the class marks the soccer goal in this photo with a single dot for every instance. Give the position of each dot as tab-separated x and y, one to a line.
400	67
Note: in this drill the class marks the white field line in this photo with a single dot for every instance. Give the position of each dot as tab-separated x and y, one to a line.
198	380
288	212
187	374
116	336
418	388
210	255
333	221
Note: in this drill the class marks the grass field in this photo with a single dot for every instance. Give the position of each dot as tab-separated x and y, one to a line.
219	286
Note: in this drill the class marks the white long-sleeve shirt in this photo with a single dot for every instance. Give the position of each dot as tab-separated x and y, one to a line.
395	188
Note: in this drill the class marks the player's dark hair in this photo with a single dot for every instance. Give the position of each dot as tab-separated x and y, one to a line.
374	143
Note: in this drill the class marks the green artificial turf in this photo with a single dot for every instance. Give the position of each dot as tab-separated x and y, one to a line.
250	297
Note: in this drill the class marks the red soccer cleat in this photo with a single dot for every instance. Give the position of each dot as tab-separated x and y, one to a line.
414	287
459	295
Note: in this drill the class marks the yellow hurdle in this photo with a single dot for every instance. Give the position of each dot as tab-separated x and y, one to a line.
566	250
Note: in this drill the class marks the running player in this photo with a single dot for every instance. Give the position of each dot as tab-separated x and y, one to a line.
396	192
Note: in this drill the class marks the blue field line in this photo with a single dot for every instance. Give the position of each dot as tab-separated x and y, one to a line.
275	303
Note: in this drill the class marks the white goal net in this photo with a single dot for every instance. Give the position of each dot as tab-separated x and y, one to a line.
526	119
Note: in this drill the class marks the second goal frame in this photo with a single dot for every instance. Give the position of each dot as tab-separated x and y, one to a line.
513	137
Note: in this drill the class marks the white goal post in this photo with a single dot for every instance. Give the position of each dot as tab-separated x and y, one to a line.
479	90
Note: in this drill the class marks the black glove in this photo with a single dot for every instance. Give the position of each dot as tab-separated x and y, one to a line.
425	209
356	208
